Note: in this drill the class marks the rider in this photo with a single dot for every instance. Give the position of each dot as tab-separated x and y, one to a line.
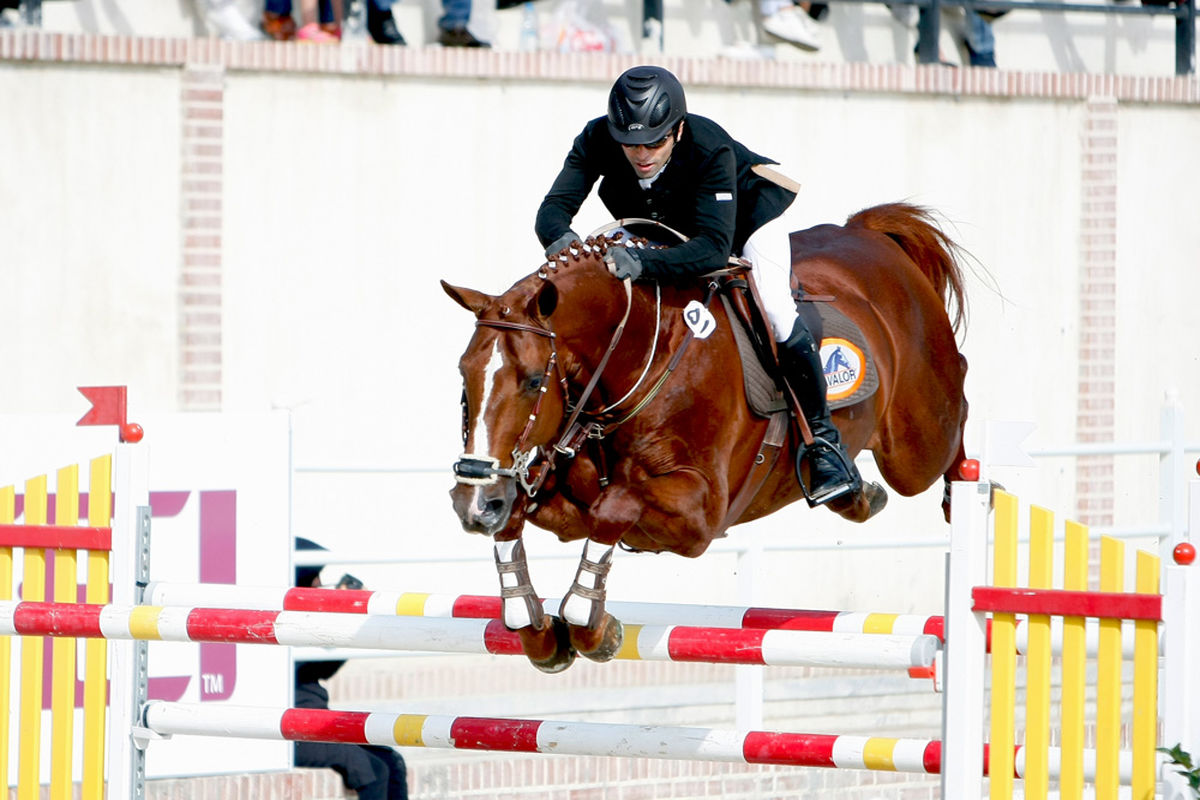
655	160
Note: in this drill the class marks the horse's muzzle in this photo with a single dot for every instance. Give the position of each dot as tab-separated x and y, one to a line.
484	507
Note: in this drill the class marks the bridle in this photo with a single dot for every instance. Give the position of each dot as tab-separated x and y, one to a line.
481	470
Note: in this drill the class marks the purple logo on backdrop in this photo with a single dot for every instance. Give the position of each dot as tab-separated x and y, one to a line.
218	564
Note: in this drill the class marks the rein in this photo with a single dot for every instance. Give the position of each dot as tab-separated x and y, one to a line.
580	425
478	470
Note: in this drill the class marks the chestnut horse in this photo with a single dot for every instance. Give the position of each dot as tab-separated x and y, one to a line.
592	410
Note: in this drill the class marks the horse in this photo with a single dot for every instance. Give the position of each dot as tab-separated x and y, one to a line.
592	410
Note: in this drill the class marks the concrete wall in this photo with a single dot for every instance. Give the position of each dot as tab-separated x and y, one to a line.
261	226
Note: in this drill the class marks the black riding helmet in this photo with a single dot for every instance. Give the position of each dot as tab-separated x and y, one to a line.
645	104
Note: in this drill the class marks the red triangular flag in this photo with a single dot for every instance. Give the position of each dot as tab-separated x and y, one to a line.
108	405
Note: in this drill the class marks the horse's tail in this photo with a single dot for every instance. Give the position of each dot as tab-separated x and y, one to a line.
935	254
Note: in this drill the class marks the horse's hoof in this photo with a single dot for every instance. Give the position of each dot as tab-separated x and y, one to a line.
607	640
877	498
556	663
550	660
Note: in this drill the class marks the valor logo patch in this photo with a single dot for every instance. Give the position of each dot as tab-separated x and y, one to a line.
844	365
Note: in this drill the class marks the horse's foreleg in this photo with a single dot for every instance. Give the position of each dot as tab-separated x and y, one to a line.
594	632
543	638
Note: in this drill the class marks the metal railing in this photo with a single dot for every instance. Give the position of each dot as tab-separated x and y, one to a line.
929	23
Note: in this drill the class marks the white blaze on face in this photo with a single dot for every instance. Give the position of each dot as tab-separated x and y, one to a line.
480	433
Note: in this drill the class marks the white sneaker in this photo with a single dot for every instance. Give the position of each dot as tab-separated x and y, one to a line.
793	24
227	22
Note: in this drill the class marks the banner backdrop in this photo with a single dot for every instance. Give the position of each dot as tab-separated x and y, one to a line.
219	499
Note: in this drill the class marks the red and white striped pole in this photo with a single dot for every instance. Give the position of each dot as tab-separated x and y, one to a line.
566	738
545	736
473	606
321	629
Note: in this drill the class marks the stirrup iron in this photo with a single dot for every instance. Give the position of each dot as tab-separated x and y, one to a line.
823	447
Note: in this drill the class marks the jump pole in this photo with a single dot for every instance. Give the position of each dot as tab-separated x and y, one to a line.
327	629
475	606
922	756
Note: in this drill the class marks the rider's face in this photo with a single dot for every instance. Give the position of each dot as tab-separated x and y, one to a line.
648	159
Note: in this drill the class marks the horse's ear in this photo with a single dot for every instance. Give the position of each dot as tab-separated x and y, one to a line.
469	299
547	300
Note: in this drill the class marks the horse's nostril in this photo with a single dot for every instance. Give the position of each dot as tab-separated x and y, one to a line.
493	508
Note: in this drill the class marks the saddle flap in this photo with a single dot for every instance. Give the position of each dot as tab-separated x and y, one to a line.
762	392
850	372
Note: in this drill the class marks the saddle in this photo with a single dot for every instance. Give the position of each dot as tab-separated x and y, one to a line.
850	372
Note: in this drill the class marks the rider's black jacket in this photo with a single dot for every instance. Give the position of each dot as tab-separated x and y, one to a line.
707	192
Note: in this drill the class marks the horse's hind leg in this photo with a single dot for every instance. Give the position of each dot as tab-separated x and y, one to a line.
953	472
543	638
594	632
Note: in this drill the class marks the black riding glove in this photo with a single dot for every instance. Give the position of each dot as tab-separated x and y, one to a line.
562	243
624	263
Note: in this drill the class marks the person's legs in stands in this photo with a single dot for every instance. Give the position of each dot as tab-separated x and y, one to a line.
329	19
310	30
224	18
453	25
381	24
652	27
277	19
980	41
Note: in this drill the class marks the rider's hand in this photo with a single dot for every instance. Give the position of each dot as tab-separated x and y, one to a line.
562	243
624	263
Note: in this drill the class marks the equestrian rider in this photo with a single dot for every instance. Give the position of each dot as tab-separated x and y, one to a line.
655	160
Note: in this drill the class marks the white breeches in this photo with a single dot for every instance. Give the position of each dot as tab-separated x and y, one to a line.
770	254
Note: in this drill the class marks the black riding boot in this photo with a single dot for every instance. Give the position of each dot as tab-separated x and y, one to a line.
831	470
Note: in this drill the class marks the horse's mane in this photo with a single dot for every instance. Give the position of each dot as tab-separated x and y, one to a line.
593	249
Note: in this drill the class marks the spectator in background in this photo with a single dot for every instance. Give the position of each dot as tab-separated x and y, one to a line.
975	32
381	24
311	31
375	772
277	22
978	38
452	25
222	17
793	21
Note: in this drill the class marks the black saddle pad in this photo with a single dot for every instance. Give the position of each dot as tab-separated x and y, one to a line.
850	372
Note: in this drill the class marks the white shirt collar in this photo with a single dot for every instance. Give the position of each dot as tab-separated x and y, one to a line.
645	183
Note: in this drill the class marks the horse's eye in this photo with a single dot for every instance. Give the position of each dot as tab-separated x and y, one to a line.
533	384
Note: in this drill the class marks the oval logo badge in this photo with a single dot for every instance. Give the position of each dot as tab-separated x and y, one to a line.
844	365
